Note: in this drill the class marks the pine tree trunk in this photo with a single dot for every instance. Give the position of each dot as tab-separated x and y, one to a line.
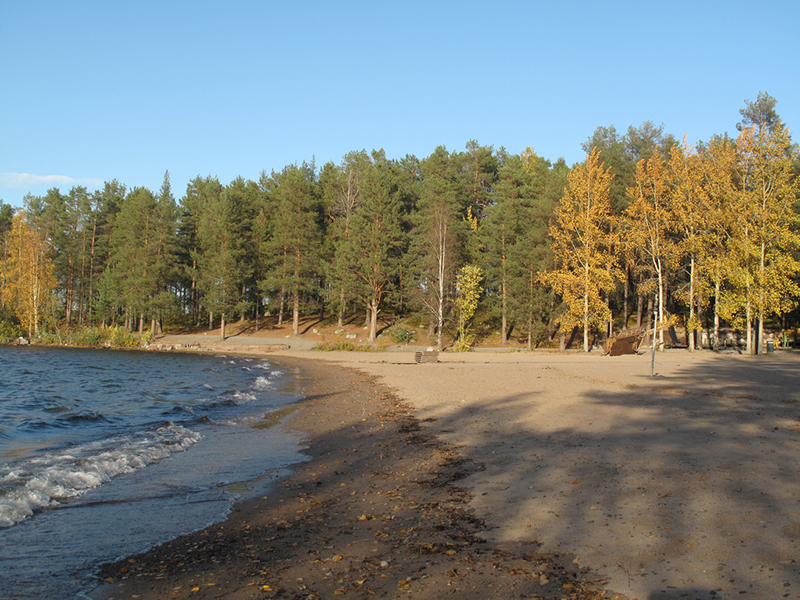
222	328
504	331
91	273
373	321
296	312
530	334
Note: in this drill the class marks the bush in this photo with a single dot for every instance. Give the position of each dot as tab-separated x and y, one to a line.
9	331
121	337
402	334
342	347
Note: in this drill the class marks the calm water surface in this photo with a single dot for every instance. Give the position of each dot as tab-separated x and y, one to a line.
105	453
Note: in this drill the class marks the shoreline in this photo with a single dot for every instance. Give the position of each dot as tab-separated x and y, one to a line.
658	487
374	512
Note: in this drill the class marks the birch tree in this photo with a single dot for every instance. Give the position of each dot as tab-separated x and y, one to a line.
582	238
767	225
30	278
648	225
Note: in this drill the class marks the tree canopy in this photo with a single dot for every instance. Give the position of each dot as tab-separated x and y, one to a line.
704	235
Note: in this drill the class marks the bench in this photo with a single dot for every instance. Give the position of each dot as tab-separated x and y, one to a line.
427	356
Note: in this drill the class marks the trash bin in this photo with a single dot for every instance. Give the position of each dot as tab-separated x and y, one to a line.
770	346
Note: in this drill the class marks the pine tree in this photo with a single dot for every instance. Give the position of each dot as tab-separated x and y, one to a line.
143	255
296	239
370	253
438	238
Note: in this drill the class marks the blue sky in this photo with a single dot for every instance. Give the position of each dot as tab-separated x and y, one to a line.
94	91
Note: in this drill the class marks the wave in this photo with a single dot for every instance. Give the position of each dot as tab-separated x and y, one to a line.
42	482
66	421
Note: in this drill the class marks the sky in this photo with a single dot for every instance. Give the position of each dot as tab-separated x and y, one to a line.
96	91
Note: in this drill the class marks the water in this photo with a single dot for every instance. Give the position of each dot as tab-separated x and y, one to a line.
106	453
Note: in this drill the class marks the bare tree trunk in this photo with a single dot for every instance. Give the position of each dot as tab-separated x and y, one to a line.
91	272
749	325
690	333
373	322
639	309
625	301
241	316
222	328
296	312
281	307
715	344
530	334
504	331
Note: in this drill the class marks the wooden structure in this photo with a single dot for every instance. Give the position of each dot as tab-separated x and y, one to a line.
428	356
624	344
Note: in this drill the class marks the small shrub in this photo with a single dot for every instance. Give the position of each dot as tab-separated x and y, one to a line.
121	337
342	347
403	335
88	336
9	331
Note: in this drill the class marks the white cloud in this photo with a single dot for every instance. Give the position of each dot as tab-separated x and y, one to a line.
29	180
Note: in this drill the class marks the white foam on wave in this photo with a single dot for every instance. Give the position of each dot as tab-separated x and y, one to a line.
42	482
262	382
239	398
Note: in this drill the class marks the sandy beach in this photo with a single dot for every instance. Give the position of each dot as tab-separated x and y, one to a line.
574	475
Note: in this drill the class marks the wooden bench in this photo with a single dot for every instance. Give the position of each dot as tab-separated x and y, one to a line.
427	356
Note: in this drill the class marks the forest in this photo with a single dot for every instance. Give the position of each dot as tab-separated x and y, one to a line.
648	229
